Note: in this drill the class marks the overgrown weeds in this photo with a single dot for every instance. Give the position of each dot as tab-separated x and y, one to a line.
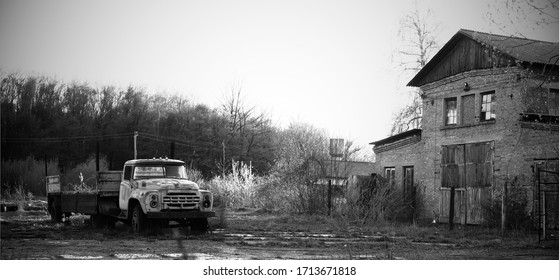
16	195
378	200
517	216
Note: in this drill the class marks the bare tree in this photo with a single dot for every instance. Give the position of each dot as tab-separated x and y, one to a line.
516	18
418	33
249	131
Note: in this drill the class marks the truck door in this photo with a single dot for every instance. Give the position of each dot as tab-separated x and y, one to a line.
125	188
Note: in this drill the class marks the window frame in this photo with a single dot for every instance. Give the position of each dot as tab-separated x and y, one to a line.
454	117
390	174
408	184
489	106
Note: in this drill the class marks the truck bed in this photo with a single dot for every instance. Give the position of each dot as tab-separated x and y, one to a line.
91	201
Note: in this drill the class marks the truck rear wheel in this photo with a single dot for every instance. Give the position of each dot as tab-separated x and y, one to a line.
55	213
138	219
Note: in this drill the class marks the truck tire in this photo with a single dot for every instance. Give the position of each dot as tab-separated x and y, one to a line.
111	221
199	225
55	213
137	220
98	221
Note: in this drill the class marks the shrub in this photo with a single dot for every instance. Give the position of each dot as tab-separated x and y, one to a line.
376	199
28	174
235	189
517	212
16	194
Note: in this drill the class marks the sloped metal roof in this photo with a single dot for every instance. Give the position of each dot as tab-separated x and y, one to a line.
522	49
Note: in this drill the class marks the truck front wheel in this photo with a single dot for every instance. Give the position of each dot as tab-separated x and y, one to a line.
138	219
55	213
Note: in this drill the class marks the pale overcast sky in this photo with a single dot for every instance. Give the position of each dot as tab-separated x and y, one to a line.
327	63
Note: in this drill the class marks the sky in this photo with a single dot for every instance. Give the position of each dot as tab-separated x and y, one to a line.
323	62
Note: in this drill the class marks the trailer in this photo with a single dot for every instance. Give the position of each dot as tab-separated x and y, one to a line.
146	192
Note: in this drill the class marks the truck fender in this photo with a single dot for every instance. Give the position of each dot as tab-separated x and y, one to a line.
133	201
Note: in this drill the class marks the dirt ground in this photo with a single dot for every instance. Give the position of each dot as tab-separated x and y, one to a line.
253	234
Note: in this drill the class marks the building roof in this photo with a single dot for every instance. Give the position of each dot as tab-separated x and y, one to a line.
399	136
520	49
523	49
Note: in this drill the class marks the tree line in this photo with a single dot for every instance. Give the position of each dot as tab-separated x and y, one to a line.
47	119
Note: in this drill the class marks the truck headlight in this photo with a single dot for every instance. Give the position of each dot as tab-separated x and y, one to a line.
153	200
207	202
153	204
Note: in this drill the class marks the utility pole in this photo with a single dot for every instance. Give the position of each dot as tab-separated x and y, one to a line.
135	145
97	156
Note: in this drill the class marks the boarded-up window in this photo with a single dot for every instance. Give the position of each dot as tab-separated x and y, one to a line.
468	109
553	102
534	101
409	188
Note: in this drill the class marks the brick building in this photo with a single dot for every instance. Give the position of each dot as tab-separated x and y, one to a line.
490	116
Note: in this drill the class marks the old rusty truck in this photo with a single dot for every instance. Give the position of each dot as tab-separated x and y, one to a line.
146	193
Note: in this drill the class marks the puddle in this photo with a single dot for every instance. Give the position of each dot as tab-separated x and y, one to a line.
58	242
73	257
137	256
242	235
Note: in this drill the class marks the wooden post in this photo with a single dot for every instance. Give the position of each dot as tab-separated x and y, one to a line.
329	196
504	208
451	210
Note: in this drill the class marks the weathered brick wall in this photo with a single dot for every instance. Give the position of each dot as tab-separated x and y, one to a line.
403	156
515	147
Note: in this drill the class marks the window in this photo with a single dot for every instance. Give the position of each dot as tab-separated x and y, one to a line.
390	174
127	172
487	106
160	171
553	102
451	114
145	172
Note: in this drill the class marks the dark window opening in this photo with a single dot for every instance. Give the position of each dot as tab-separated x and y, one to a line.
127	172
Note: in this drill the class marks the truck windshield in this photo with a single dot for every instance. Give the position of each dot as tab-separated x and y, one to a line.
160	171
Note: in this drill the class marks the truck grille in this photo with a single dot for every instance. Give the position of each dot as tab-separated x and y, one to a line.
181	200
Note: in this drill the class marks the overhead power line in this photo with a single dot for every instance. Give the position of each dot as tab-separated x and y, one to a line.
67	139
